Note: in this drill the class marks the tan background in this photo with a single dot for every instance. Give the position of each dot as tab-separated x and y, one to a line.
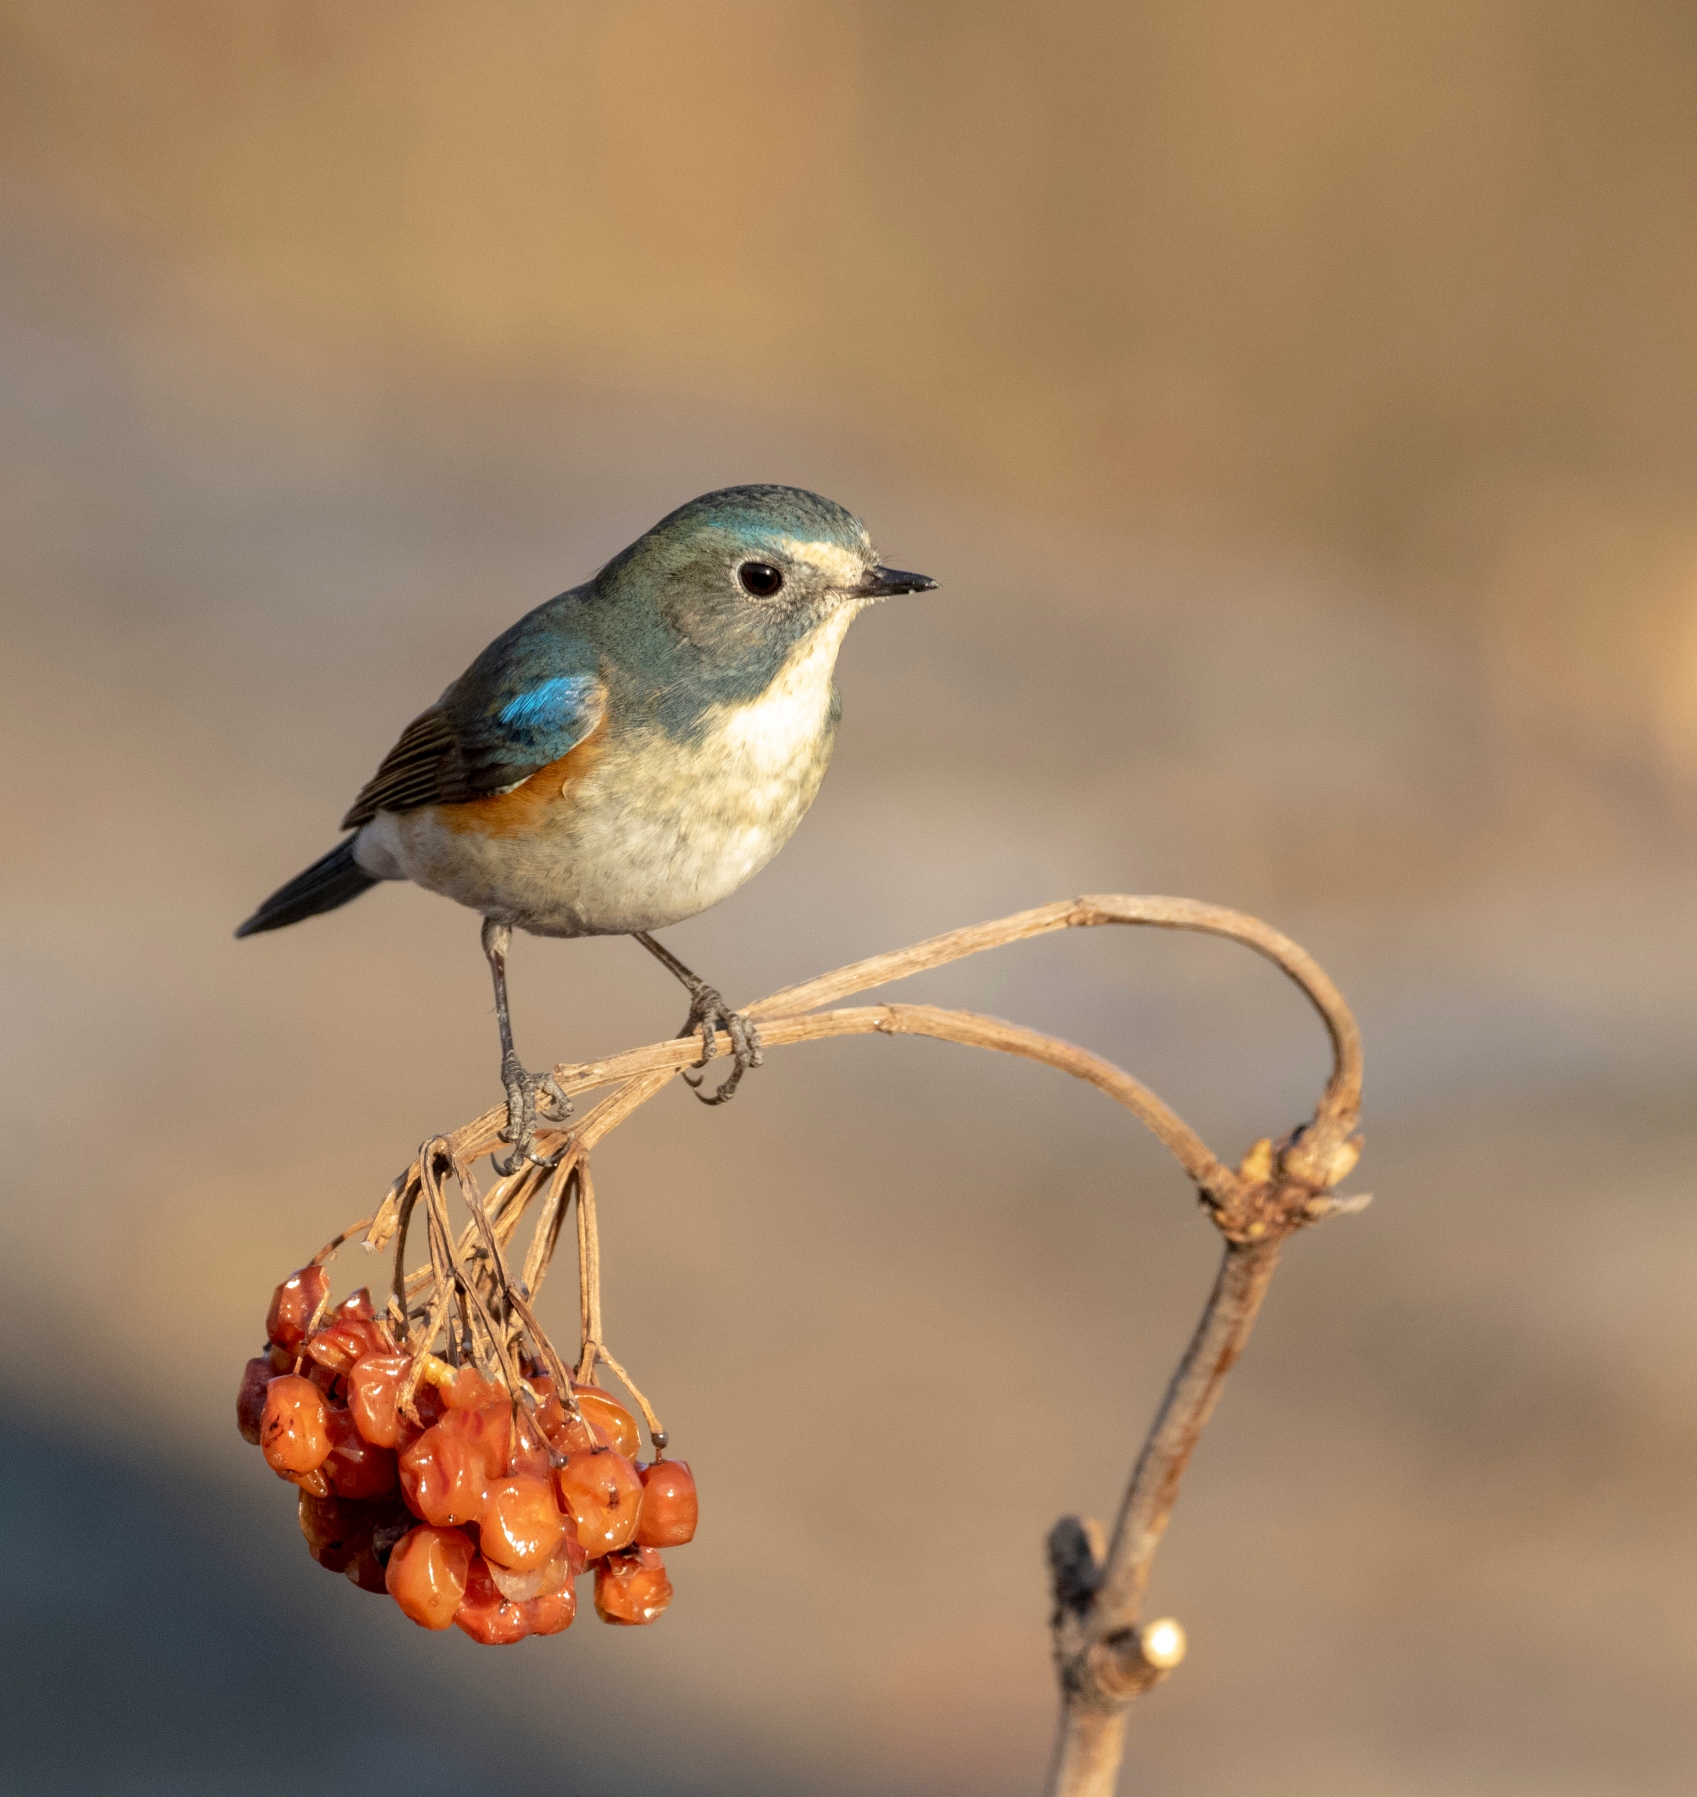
1299	407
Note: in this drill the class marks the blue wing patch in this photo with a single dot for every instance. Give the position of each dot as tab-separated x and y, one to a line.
553	705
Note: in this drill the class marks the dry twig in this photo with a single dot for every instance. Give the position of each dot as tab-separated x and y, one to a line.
1105	1654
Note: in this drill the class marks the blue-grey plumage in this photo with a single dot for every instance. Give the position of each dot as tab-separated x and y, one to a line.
632	751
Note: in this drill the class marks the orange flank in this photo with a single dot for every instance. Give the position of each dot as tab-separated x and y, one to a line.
525	810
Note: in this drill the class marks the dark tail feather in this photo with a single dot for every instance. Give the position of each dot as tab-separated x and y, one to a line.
328	883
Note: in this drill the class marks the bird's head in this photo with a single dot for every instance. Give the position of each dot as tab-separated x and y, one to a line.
744	575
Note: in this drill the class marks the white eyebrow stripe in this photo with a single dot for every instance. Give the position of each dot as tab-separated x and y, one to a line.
841	566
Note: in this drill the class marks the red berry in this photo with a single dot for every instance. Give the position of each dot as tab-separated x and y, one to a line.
374	1386
292	1307
668	1514
568	1561
552	1614
427	1574
521	1525
469	1390
294	1427
335	1530
603	1491
485	1614
355	1468
250	1400
631	1587
355	1305
346	1340
446	1472
617	1427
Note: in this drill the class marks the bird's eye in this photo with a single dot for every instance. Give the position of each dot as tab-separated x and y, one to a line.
760	579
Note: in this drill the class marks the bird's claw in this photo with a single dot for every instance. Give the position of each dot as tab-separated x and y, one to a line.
526	1097
709	1013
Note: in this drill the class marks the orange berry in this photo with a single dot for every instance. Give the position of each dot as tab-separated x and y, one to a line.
355	1468
374	1387
294	1426
617	1426
567	1562
446	1472
355	1305
631	1587
668	1514
314	1483
489	1617
250	1399
603	1491
292	1306
427	1574
469	1390
346	1340
552	1614
521	1525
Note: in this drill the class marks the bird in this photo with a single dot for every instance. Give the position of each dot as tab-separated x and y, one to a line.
625	756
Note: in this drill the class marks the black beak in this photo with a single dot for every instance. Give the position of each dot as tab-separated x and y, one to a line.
884	583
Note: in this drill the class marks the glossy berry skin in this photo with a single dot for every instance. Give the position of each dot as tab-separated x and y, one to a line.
487	1616
551	1615
294	1432
603	1491
631	1588
293	1305
345	1340
521	1526
335	1530
616	1426
374	1386
250	1399
669	1507
354	1467
427	1574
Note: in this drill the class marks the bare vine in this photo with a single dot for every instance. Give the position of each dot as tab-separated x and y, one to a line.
466	1298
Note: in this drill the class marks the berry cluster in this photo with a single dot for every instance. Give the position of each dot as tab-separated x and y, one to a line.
468	1503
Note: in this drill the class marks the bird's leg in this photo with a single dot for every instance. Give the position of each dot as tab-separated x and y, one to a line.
522	1088
709	1013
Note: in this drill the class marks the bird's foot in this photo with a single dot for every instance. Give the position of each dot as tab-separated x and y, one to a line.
709	1013
526	1098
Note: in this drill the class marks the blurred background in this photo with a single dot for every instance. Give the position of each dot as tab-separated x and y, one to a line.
1299	408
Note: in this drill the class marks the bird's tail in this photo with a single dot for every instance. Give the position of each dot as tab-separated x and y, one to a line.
329	882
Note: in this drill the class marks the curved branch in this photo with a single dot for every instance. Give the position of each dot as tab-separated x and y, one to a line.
1278	1188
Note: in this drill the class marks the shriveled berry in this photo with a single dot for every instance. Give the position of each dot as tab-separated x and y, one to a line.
250	1399
616	1424
374	1386
355	1305
367	1571
314	1483
469	1390
347	1339
521	1524
294	1426
335	1530
568	1561
631	1587
293	1306
603	1491
446	1472
427	1574
485	1614
355	1468
552	1614
668	1514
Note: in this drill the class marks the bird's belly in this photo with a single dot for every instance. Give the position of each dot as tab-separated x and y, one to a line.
651	833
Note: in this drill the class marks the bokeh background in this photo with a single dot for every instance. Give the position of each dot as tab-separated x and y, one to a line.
1299	408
